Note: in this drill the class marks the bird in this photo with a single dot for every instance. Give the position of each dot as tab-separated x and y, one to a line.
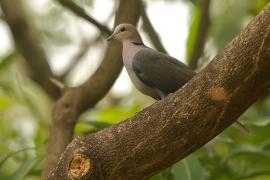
153	73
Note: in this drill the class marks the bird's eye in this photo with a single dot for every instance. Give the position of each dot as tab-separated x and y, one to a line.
122	29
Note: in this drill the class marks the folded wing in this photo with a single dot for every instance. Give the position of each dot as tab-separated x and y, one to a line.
161	71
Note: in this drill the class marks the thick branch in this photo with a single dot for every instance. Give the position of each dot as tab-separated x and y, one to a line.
81	13
76	100
200	35
28	45
170	129
151	32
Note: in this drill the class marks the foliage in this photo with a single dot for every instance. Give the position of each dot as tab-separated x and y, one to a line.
25	109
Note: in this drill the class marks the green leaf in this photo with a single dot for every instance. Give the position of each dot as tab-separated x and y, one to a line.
192	31
264	121
40	140
5	102
194	1
7	87
249	153
246	159
188	169
7	59
6	157
88	126
35	172
260	134
98	124
156	177
116	114
224	138
227	20
257	6
25	168
166	174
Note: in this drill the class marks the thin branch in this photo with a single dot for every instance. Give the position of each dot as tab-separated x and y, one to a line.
58	84
84	47
170	129
29	46
76	100
151	32
81	13
200	35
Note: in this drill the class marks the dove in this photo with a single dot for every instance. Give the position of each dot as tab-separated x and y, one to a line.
153	73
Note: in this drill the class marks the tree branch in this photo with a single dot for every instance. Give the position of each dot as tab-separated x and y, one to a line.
200	35
76	100
170	129
81	13
84	47
151	32
28	45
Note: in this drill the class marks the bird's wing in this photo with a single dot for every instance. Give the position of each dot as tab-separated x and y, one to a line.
160	71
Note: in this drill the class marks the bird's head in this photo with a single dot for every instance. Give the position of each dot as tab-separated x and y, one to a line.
125	32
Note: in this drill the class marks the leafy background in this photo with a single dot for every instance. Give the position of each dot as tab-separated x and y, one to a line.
25	110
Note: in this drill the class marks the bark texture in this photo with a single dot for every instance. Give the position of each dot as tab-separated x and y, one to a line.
74	101
170	129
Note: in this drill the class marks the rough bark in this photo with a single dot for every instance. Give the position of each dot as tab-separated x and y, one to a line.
201	34
170	129
76	100
29	46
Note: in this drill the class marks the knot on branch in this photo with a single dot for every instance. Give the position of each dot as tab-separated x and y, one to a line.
79	166
218	94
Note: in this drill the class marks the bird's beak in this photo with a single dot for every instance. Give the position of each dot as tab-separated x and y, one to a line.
110	37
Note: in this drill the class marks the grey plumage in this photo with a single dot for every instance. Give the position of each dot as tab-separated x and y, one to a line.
153	73
160	71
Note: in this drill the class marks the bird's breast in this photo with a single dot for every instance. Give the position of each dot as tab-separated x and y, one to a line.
129	52
143	88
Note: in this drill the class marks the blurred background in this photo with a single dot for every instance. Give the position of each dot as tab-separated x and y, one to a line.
74	49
